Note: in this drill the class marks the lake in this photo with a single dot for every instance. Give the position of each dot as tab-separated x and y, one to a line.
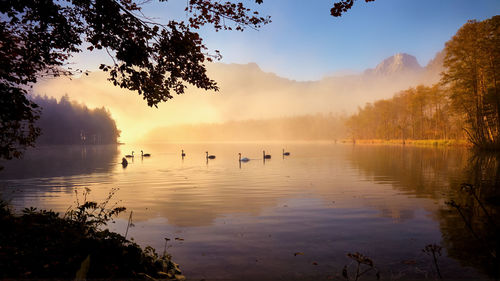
287	218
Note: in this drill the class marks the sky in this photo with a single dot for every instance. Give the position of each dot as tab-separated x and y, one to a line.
304	42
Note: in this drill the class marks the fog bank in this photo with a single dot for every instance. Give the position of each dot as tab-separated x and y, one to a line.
246	92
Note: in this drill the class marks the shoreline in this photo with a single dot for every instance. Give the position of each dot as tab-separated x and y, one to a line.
430	142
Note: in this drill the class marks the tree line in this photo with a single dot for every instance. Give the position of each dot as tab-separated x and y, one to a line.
465	104
68	122
417	113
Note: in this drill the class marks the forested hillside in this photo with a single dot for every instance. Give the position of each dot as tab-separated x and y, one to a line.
67	122
417	113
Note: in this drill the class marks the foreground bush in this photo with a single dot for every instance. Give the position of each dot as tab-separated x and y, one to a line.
39	244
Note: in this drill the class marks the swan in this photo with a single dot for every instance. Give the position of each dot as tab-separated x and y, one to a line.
145	154
210	156
285	153
130	156
124	162
244	159
183	154
266	156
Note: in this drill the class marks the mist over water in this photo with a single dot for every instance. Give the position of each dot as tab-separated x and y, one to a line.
316	127
246	93
246	220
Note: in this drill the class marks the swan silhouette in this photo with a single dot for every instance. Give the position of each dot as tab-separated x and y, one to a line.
130	156
183	154
210	156
244	159
145	154
265	156
124	162
285	153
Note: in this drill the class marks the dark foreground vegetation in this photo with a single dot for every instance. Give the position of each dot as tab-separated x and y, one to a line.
39	244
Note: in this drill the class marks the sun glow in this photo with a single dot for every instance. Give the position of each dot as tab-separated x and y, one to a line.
131	113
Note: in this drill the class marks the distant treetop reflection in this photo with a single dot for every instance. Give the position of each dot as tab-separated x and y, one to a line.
470	222
61	160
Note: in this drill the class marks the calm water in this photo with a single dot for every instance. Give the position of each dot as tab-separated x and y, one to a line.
247	221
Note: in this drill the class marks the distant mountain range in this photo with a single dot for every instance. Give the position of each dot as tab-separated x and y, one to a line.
406	64
248	89
397	64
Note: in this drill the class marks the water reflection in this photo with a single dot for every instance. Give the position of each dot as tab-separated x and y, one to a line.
324	199
61	161
470	233
47	176
471	223
421	171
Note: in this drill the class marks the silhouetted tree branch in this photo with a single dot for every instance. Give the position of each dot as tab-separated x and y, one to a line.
342	7
37	37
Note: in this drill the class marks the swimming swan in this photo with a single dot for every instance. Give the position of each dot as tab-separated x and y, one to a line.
210	156
130	156
183	154
285	153
266	156
145	154
244	159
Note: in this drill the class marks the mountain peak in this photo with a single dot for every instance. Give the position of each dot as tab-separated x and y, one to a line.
398	63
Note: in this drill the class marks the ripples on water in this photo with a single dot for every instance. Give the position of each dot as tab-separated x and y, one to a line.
247	221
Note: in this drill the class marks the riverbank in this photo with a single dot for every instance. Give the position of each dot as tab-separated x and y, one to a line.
436	142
